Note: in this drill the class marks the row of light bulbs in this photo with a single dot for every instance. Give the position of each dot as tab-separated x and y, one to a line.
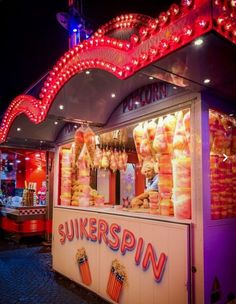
72	63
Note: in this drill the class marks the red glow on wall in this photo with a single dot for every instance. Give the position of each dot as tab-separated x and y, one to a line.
35	170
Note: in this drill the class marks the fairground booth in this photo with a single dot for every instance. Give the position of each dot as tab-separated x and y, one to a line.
23	192
143	95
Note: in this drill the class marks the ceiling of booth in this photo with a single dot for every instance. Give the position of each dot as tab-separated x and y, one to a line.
214	60
87	97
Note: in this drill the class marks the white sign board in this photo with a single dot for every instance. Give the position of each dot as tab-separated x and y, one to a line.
122	258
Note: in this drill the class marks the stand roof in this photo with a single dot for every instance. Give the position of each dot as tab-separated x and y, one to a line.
121	57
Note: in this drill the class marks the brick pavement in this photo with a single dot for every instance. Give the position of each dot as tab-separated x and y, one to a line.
26	277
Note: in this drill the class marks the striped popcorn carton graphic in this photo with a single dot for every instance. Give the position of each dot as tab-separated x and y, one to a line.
117	278
82	260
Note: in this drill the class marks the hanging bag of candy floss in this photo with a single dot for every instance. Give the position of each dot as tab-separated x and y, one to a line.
105	160
233	144
89	140
145	147
97	158
228	126
113	162
181	167
159	144
138	135
169	125
82	260
117	278
79	142
180	143
151	131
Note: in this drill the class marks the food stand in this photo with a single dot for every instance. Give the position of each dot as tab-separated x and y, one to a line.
23	191
170	104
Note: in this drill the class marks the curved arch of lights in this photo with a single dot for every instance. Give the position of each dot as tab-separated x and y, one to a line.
150	40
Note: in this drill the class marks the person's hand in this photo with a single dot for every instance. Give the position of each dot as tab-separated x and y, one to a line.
136	202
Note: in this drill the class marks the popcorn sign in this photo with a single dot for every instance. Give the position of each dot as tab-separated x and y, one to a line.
145	95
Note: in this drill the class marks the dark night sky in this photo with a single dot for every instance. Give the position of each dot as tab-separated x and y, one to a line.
32	40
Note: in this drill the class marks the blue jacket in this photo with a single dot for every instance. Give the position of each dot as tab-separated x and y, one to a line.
152	184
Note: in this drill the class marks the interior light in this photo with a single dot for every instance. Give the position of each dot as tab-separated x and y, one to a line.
55	122
18	129
175	88
151	78
18	161
207	80
75	126
231	115
74	30
198	42
87	72
41	141
37	155
61	107
113	95
27	158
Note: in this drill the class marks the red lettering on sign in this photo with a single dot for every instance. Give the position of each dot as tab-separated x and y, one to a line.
157	267
69	234
102	231
92	229
83	231
62	233
128	241
139	251
76	229
115	244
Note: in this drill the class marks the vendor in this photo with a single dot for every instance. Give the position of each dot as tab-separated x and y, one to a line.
152	183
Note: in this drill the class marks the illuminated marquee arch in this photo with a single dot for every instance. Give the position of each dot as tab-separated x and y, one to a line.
148	40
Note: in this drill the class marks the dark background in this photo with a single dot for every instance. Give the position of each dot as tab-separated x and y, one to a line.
32	40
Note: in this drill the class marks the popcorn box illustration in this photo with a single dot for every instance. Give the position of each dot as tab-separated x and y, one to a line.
116	280
83	264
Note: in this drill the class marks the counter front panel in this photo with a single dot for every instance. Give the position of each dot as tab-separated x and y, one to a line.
123	259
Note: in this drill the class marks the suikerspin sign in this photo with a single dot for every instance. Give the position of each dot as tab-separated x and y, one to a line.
116	238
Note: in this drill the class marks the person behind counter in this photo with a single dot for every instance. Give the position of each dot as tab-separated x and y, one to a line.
152	183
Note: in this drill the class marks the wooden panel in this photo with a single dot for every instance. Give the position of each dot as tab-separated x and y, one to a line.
157	273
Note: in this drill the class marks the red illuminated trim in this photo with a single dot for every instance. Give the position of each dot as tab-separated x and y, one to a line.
30	106
224	18
154	39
